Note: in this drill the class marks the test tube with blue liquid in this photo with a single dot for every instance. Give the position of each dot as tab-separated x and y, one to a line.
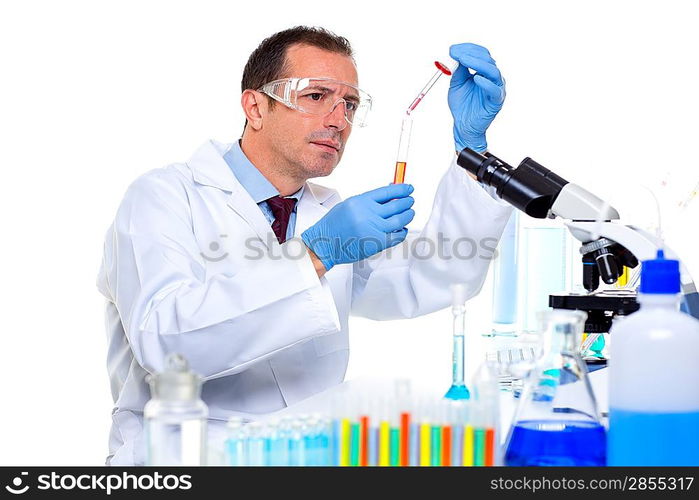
256	444
458	389
326	451
297	444
236	442
316	441
280	434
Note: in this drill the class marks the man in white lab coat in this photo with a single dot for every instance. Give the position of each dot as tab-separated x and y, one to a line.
236	261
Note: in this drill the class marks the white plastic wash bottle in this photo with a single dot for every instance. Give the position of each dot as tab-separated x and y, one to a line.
654	376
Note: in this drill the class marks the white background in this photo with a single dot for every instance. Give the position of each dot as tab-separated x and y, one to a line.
92	94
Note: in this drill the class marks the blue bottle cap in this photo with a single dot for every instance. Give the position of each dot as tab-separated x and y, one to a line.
660	275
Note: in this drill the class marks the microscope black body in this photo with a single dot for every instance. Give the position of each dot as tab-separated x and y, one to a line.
533	189
530	187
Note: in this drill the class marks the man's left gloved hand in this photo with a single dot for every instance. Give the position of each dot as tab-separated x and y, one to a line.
474	100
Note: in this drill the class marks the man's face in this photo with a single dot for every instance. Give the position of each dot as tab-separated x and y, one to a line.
309	145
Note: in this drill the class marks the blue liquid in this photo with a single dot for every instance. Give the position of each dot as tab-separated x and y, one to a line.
457	392
297	451
653	439
235	450
557	443
310	443
316	447
458	389
256	451
279	451
324	451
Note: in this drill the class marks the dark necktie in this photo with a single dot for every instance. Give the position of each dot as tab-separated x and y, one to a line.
281	209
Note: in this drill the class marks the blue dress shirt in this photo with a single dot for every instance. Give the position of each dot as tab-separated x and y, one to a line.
257	185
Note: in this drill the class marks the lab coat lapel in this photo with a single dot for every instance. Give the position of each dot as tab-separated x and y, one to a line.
309	209
242	203
210	169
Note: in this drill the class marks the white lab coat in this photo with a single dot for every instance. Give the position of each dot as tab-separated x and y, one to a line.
266	332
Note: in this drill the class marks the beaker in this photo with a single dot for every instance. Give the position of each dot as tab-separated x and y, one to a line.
556	422
506	280
546	268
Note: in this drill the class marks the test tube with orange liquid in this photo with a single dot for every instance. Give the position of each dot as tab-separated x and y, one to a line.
404	142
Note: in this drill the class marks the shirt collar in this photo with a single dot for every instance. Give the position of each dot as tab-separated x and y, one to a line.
252	180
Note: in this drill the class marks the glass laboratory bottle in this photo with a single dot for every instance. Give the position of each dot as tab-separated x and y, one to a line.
654	376
505	280
175	417
458	389
557	422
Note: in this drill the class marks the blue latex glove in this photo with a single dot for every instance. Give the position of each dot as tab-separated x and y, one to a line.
474	100
362	225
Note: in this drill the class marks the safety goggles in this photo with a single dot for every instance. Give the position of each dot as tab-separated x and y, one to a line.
320	96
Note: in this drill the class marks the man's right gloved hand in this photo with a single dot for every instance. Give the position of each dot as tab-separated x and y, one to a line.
362	225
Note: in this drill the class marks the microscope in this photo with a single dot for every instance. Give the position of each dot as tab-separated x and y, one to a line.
607	245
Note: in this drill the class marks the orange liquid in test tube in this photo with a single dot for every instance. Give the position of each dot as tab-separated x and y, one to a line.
404	438
446	445
403	143
399	175
490	447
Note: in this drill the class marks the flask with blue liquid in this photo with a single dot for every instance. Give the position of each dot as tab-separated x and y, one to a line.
557	422
654	376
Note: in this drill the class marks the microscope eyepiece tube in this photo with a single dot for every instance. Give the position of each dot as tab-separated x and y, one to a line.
471	161
530	187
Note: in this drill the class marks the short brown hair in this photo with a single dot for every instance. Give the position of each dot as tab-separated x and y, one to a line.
268	61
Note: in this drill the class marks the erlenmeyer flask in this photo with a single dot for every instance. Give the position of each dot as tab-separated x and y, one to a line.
556	422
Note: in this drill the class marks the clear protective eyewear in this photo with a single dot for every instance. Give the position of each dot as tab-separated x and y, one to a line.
320	96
